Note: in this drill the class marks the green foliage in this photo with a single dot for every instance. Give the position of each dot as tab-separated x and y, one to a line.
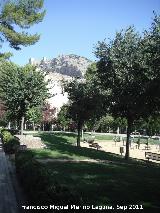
121	74
6	136
84	102
19	14
21	88
34	115
63	117
11	146
128	70
150	124
105	123
91	72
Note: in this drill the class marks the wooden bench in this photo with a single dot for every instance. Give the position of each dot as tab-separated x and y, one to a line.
152	156
147	147
95	145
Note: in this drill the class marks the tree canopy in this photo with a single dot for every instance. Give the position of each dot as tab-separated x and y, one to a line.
63	117
21	88
84	101
128	70
16	16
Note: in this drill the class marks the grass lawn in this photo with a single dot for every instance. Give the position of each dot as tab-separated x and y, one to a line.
115	182
99	137
63	146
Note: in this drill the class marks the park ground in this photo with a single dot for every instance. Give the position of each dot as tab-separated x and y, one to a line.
100	177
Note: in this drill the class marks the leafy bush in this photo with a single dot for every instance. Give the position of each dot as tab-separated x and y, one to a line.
12	131
11	146
6	136
39	183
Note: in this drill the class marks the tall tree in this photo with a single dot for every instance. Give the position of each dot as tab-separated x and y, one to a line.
19	14
84	100
129	76
21	88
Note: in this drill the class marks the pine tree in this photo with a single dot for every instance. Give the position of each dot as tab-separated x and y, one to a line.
16	16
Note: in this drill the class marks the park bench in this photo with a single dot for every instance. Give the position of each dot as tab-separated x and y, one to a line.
91	142
147	147
152	156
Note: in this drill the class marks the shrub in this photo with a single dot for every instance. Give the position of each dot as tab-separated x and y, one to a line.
39	183
6	136
11	146
12	131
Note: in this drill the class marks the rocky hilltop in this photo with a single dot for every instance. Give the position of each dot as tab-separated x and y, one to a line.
68	65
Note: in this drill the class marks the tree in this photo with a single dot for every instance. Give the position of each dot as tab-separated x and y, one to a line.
120	123
63	117
21	88
105	123
128	75
149	125
34	115
19	14
83	102
3	112
48	116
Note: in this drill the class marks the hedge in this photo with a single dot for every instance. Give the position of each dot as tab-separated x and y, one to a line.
10	143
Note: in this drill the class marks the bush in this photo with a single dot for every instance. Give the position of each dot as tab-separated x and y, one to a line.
6	136
12	131
11	146
39	183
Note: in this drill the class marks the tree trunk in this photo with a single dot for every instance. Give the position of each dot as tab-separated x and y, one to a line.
79	134
82	135
22	124
9	125
25	126
34	127
128	138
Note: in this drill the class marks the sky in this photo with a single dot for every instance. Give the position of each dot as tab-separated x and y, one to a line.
75	26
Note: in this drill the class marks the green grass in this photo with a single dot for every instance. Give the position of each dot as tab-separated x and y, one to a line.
99	137
63	146
115	182
143	140
100	184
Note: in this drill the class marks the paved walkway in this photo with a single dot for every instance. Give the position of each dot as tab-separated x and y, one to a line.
8	197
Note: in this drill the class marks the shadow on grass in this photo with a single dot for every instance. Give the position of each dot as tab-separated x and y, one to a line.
109	185
119	182
65	144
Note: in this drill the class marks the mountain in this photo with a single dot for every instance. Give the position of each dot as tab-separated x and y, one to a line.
68	65
63	67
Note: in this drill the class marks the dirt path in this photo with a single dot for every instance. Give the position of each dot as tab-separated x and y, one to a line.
111	146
